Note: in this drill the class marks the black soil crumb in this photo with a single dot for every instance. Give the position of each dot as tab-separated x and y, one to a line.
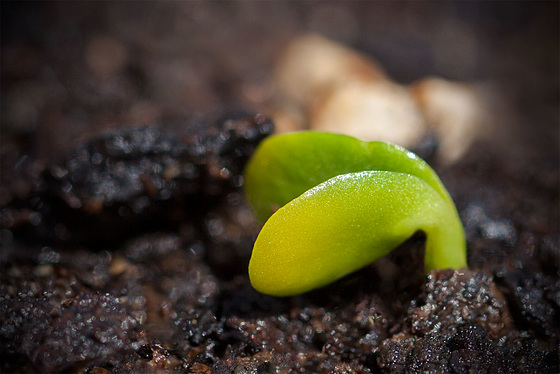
133	180
124	249
463	326
55	334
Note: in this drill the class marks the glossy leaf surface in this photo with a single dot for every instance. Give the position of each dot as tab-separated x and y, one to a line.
335	217
285	166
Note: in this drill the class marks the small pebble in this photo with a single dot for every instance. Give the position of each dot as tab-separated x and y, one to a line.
382	111
455	111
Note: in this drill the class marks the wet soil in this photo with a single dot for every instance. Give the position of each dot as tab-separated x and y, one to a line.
125	235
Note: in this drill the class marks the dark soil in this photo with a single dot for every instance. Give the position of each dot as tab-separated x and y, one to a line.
125	235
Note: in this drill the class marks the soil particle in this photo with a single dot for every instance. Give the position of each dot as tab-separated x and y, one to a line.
96	300
136	179
456	298
319	340
534	299
86	328
463	326
470	349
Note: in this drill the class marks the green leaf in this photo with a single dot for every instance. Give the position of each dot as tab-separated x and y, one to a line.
285	166
343	204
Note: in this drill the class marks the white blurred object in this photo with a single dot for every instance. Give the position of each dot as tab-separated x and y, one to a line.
370	111
313	65
456	111
324	86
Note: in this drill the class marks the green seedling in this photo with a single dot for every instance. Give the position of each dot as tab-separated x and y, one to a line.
335	204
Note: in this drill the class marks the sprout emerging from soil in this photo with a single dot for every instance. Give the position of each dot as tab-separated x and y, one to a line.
335	204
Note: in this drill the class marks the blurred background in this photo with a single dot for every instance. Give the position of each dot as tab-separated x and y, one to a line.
70	69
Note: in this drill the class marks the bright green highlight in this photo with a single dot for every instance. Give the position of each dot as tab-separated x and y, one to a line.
344	204
285	166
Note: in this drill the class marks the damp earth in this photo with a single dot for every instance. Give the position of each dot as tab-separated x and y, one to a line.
125	234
